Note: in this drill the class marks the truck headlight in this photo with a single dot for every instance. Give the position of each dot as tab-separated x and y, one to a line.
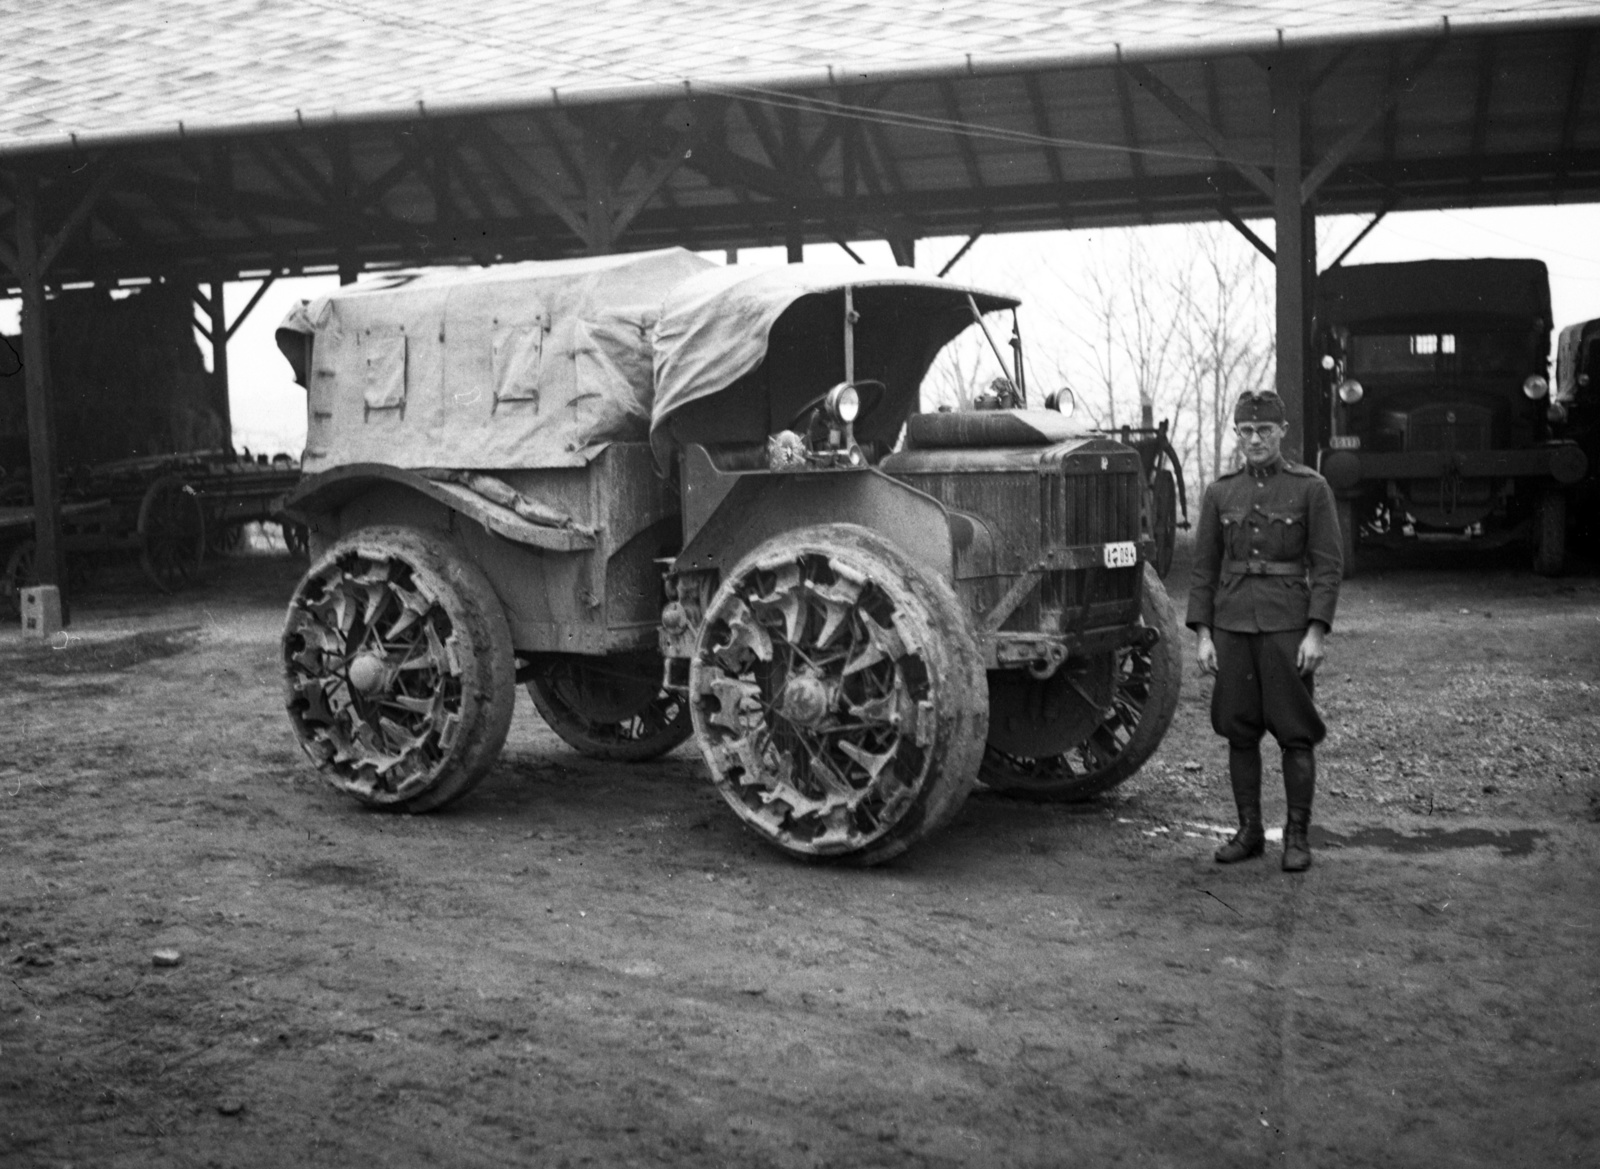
1350	391
842	404
1061	401
1535	387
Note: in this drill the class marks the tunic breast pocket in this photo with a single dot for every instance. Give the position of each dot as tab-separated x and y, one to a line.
1286	536
1235	537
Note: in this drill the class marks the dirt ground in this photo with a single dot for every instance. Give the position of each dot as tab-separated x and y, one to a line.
587	964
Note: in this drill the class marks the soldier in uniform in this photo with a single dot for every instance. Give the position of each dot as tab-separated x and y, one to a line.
1267	566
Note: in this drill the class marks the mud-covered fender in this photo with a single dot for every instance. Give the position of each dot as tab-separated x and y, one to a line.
324	494
728	513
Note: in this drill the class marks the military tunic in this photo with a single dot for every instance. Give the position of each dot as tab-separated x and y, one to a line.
1268	561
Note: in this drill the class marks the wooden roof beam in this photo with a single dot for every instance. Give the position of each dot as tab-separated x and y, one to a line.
1197	125
1582	46
1130	135
1350	139
1480	111
969	153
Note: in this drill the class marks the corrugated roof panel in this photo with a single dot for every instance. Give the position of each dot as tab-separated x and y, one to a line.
215	63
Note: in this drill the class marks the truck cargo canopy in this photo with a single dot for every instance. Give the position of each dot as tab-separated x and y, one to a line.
718	329
519	366
1427	290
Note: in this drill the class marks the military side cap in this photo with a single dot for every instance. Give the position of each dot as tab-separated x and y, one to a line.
1262	406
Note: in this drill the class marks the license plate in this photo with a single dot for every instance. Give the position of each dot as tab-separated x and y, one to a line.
1345	442
1124	554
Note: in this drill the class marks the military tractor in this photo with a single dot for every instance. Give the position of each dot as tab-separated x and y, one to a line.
679	499
1436	422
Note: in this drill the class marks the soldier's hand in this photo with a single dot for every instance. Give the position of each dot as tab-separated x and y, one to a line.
1311	651
1205	655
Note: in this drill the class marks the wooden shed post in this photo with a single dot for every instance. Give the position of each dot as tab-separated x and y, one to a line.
1295	260
217	310
49	568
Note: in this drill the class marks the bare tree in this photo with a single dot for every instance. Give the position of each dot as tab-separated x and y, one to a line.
1227	346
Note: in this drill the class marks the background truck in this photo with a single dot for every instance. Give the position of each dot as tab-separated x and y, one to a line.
1575	416
1436	420
680	499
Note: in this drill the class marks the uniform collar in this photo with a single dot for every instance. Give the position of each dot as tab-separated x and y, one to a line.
1267	471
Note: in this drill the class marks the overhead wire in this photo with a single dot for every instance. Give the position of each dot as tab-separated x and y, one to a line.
774	98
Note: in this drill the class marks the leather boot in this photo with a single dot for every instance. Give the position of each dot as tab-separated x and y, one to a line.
1299	786
1244	772
1296	848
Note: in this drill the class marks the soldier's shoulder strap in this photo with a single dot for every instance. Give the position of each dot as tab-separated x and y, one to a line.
1300	469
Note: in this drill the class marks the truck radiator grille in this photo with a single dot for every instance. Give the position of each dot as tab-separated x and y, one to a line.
1089	509
1449	428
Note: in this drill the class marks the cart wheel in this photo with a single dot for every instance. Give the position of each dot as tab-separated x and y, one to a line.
172	533
399	668
225	539
296	539
1164	520
611	708
838	695
16	576
1144	700
1550	534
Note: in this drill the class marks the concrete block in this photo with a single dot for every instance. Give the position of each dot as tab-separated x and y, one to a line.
41	611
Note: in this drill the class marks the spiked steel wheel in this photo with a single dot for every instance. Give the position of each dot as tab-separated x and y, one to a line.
1144	699
611	708
399	669
172	533
838	695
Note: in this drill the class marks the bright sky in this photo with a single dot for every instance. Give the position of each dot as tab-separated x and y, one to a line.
269	409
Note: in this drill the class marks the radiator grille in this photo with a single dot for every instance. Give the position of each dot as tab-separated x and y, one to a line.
1449	428
1089	509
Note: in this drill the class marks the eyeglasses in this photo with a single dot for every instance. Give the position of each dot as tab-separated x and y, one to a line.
1247	430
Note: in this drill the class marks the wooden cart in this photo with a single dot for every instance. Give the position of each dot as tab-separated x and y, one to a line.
169	510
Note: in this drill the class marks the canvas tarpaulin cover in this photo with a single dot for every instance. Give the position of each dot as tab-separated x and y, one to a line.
715	328
518	366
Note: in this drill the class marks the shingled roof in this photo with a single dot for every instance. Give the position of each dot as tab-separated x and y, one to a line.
89	71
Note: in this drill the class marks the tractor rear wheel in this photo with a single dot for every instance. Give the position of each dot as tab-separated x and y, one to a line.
400	677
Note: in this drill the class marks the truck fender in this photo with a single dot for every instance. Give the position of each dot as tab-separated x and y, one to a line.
323	494
760	505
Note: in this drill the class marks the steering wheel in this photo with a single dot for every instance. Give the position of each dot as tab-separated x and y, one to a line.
871	393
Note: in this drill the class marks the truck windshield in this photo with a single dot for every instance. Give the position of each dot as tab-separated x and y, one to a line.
1507	352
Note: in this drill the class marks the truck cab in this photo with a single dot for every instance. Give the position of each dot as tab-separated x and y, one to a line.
1436	421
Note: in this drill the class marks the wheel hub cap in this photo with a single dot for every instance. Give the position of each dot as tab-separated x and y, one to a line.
805	700
366	673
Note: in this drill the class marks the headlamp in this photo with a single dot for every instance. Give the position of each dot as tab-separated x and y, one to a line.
1350	391
1062	401
1535	387
842	404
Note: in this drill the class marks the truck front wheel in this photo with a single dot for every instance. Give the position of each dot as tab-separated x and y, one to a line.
1550	534
1346	511
610	708
837	695
399	670
1144	699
